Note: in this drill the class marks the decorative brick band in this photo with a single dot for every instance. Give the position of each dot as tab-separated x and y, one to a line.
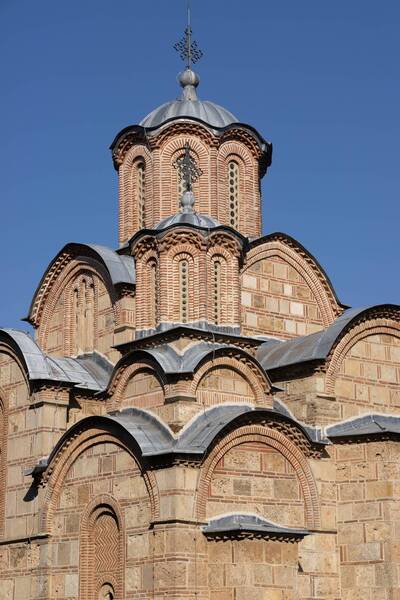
275	439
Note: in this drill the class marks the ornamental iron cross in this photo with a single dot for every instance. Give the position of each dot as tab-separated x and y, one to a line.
189	50
188	171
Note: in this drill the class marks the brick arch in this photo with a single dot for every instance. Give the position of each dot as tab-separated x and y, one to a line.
249	190
229	292
80	440
218	250
169	151
115	401
179	246
128	217
90	580
63	283
255	377
358	332
313	276
143	307
278	441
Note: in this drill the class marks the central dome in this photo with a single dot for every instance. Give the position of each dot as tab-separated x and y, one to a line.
190	106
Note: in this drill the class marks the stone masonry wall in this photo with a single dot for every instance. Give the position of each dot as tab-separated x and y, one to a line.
368	476
369	377
277	301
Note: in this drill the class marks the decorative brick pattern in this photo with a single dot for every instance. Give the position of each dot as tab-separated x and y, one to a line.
61	330
255	449
102	549
96	520
221	385
243	370
212	154
282	295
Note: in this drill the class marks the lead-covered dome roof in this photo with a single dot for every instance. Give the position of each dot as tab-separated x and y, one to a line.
191	218
190	106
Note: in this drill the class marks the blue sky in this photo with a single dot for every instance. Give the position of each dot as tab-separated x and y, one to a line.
319	79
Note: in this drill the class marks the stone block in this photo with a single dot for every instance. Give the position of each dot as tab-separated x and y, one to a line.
133	576
245	551
216	576
138	546
326	587
6	589
237	575
379	489
364	552
220	551
170	574
137	515
262	574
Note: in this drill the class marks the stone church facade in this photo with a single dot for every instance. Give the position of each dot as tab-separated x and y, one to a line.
198	417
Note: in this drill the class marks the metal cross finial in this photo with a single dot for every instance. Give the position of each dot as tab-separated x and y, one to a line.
188	171
189	50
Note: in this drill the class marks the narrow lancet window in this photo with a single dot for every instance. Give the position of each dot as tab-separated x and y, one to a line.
216	292
83	307
153	294
233	182
181	185
183	289
140	187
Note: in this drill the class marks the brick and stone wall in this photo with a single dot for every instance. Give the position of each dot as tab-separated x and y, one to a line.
212	155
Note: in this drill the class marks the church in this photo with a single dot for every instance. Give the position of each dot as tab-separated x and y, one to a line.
198	416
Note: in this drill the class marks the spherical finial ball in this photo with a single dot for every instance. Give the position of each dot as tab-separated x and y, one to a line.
189	77
187	201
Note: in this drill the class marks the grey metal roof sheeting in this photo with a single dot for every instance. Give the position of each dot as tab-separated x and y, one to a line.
172	362
35	361
120	267
275	354
151	435
188	218
155	438
250	523
209	112
200	326
91	371
366	425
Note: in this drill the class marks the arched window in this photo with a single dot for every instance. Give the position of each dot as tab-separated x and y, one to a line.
233	184
153	300
83	316
216	286
181	188
183	290
140	193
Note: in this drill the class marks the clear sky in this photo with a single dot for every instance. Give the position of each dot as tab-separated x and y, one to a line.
319	79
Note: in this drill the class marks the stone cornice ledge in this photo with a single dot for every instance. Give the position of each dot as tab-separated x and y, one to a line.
242	525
